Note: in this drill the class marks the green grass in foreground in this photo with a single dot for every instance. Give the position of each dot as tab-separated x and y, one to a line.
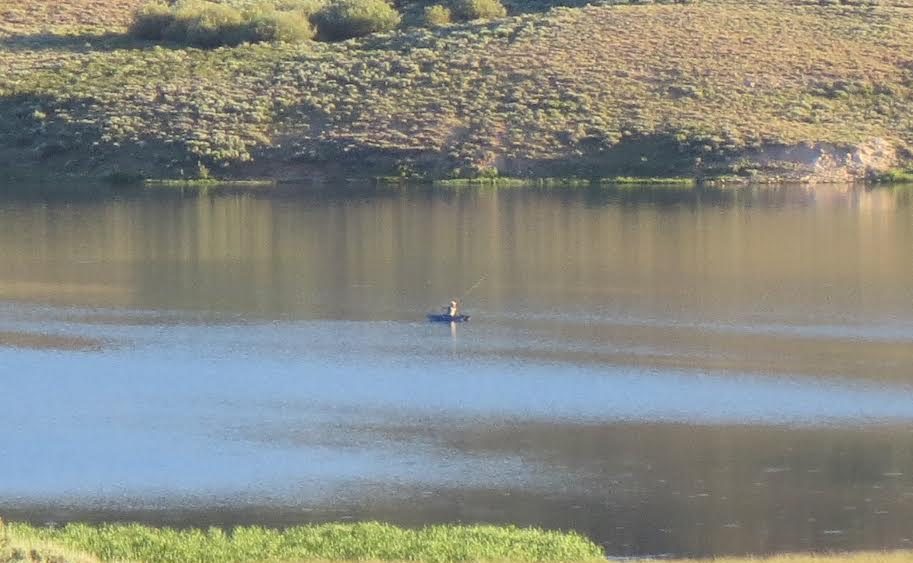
78	543
364	541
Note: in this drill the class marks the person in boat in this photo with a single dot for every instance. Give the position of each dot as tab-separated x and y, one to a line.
452	309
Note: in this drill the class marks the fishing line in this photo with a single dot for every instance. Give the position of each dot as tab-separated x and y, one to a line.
471	289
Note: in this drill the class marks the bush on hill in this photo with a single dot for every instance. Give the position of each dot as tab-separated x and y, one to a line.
202	23
344	19
478	9
272	26
437	15
206	24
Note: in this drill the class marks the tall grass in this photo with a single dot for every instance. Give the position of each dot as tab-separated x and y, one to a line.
77	543
374	541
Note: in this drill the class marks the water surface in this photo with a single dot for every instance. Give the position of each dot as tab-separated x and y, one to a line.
666	371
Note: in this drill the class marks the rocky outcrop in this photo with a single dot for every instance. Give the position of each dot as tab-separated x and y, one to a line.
815	163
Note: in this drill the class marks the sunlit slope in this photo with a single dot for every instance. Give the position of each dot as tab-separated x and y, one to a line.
717	87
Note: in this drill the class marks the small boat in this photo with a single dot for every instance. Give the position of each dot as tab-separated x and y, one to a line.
437	318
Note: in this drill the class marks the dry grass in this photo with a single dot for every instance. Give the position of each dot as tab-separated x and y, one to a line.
572	91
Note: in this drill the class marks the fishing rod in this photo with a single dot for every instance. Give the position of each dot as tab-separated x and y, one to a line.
474	286
450	317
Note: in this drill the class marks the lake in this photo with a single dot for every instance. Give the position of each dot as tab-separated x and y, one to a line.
666	370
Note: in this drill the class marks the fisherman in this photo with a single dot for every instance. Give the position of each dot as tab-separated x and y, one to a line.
452	309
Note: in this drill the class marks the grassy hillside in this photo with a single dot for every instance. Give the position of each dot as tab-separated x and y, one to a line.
760	89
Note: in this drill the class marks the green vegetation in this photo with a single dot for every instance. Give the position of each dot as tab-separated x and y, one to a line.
467	10
614	90
895	176
344	19
209	24
271	25
367	541
205	24
437	15
77	543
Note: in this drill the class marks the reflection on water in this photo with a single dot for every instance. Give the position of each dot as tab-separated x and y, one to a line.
667	371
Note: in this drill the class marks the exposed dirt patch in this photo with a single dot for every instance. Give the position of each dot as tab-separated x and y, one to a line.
822	162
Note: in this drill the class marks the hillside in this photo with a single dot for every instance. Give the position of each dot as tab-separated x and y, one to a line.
773	89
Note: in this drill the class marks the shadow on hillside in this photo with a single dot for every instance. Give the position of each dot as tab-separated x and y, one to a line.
74	43
37	144
635	158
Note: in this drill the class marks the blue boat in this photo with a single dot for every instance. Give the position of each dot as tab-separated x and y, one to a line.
436	318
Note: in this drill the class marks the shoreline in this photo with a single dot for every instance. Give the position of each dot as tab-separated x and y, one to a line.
894	180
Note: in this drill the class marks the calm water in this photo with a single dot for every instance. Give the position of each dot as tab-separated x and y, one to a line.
665	371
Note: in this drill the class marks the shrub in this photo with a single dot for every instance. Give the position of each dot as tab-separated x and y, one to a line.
270	25
210	24
343	19
478	9
151	21
437	15
206	24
